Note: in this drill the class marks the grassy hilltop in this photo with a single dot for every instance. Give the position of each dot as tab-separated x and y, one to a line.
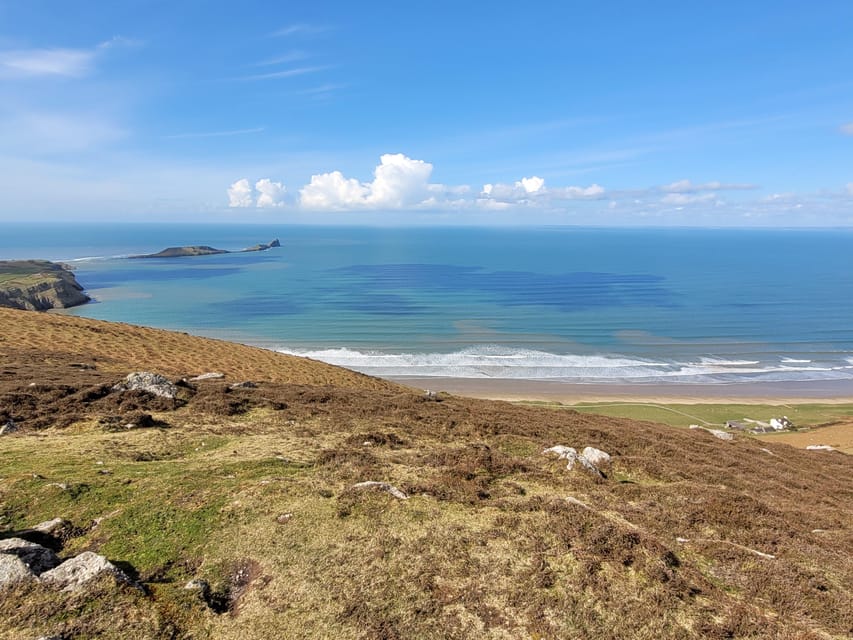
251	489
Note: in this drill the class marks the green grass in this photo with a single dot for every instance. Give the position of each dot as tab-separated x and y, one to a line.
683	415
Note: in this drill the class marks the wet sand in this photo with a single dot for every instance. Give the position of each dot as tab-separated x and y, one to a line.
820	391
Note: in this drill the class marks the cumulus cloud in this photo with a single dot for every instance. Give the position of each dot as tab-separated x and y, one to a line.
270	194
398	182
240	194
528	190
847	129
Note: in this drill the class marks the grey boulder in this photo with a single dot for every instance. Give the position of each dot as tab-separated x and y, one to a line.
37	558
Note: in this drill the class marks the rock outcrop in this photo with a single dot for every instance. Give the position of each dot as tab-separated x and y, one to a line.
37	558
39	285
73	574
152	383
13	570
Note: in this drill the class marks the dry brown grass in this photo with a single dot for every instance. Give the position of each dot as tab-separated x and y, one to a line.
838	436
113	346
486	546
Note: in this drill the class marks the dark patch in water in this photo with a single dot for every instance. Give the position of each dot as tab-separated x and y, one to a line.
563	291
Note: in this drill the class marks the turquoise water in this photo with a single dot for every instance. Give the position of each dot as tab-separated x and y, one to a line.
586	305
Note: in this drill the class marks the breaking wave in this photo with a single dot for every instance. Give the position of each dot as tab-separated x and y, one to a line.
495	361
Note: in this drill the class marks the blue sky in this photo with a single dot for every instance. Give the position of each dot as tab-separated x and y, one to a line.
606	113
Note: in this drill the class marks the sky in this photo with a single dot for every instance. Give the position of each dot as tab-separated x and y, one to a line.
611	113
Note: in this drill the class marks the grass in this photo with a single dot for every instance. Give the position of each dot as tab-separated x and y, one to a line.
716	414
251	491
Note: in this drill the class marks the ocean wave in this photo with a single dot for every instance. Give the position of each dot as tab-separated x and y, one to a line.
495	361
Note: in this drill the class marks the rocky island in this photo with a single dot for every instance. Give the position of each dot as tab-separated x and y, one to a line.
204	250
39	285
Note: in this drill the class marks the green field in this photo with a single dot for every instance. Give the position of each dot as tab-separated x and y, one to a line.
683	415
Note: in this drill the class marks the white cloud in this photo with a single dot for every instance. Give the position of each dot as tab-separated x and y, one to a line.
850	188
240	194
573	193
534	184
47	62
686	186
286	73
526	190
681	199
271	194
847	129
399	182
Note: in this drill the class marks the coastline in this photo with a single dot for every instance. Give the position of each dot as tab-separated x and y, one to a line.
786	392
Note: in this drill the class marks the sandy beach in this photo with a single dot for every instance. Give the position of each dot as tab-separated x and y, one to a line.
793	392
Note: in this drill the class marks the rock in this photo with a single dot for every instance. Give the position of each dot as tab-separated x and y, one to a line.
73	574
197	584
284	518
248	384
37	558
380	486
820	447
152	383
563	452
9	427
571	455
597	457
54	527
13	571
717	433
208	376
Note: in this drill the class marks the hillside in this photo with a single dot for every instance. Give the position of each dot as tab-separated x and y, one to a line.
38	285
250	490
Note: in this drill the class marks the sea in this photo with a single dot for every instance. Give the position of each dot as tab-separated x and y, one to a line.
581	305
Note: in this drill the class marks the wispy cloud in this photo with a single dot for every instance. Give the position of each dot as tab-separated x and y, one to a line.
323	90
57	61
686	186
301	29
214	134
47	62
285	73
847	129
291	56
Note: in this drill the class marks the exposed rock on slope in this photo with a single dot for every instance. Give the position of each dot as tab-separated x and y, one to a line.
38	285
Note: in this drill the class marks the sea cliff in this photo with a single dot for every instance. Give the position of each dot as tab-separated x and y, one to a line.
39	285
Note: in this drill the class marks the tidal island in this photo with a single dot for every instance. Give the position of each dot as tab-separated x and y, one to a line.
204	250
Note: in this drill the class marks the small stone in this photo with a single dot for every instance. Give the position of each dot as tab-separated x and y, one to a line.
381	486
208	376
248	384
9	427
197	584
284	518
820	447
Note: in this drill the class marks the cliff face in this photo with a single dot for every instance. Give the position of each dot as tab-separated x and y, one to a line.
38	285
